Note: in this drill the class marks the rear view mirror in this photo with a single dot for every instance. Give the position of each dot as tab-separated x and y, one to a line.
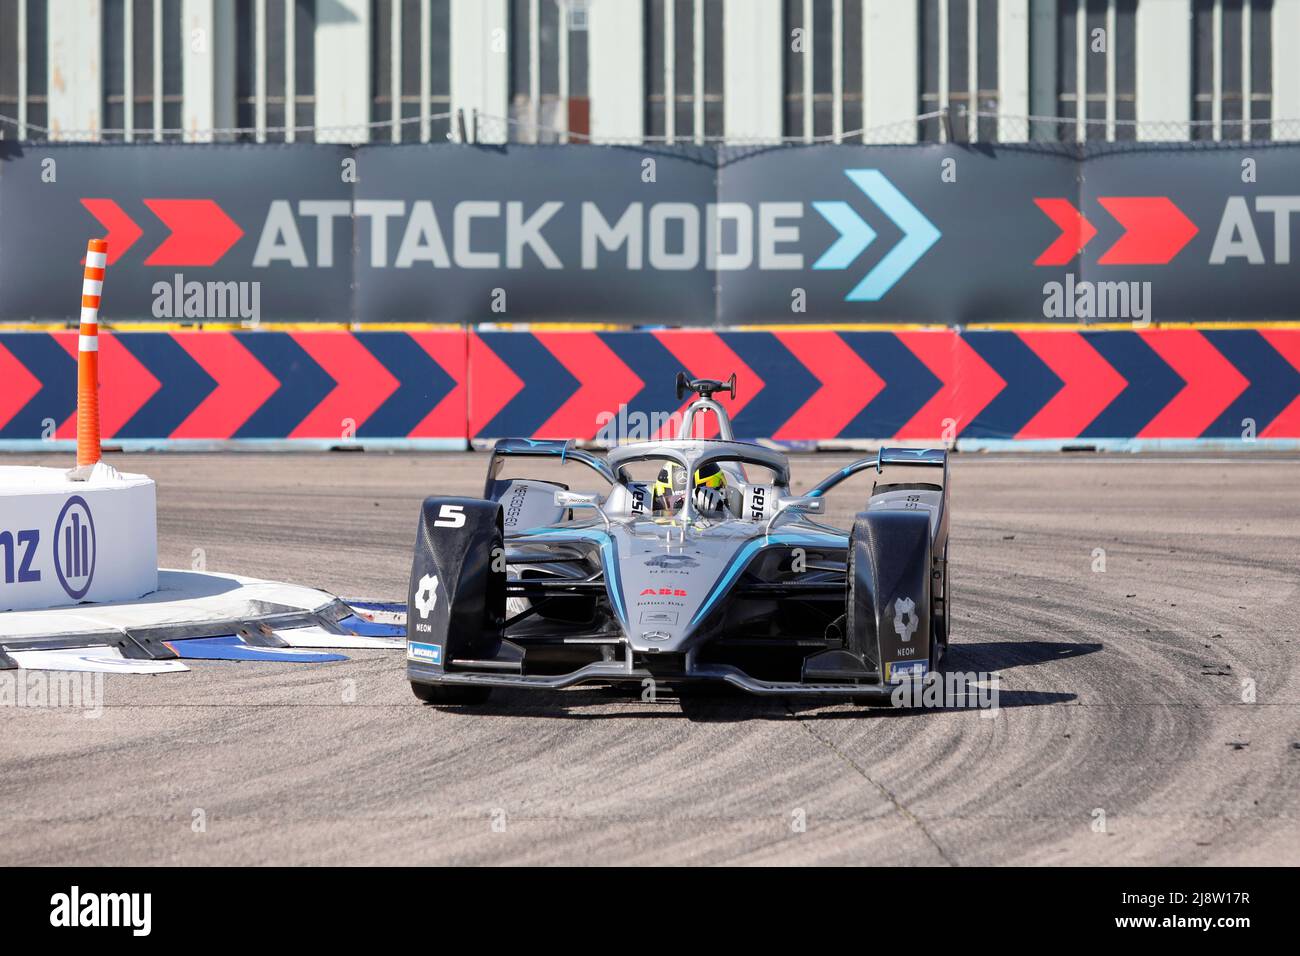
813	504
574	499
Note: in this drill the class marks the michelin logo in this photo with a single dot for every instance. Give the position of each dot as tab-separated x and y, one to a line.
428	653
899	671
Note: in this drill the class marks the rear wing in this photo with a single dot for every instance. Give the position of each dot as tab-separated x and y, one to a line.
542	448
911	466
893	467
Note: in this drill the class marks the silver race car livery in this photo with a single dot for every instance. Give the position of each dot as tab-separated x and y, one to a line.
685	560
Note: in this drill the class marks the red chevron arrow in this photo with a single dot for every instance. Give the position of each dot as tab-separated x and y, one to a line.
447	419
1076	231
604	383
243	384
848	385
201	232
121	228
1287	422
485	402
1155	230
125	384
968	384
19	386
363	384
1212	383
704	354
1090	384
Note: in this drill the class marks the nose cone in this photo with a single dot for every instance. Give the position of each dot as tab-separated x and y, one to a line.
665	580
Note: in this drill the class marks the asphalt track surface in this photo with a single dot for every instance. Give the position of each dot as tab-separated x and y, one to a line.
1121	694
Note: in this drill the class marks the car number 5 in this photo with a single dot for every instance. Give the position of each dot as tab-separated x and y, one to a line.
450	516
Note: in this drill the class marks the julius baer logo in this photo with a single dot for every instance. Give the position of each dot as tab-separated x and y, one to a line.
77	908
665	236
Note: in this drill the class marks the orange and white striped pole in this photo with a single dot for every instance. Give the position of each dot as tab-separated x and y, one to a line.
92	285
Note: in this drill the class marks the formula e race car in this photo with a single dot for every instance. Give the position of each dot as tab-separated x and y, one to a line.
712	571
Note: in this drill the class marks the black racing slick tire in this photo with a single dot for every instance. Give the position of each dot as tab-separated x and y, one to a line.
450	693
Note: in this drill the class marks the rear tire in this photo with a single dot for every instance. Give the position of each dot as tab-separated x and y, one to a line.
450	693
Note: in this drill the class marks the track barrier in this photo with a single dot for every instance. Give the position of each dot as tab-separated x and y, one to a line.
446	387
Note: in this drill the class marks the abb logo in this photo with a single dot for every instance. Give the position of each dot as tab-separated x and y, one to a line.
669	592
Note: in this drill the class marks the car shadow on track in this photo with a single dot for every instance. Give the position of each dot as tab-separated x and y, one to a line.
720	703
1003	655
721	707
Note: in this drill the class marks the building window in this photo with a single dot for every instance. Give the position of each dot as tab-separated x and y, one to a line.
275	70
141	70
23	62
410	65
684	70
1232	69
548	71
959	70
1096	70
822	69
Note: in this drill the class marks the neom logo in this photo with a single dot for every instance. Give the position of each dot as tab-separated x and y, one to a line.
74	909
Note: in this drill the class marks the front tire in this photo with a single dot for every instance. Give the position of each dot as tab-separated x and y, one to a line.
450	693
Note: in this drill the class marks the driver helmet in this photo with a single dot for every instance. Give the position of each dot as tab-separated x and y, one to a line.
670	487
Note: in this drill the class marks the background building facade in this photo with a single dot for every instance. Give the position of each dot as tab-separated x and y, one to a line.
649	70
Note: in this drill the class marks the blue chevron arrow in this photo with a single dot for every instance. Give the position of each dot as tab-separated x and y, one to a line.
788	384
547	384
908	384
422	384
183	385
1152	384
303	384
1274	383
1030	385
855	235
919	234
55	369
